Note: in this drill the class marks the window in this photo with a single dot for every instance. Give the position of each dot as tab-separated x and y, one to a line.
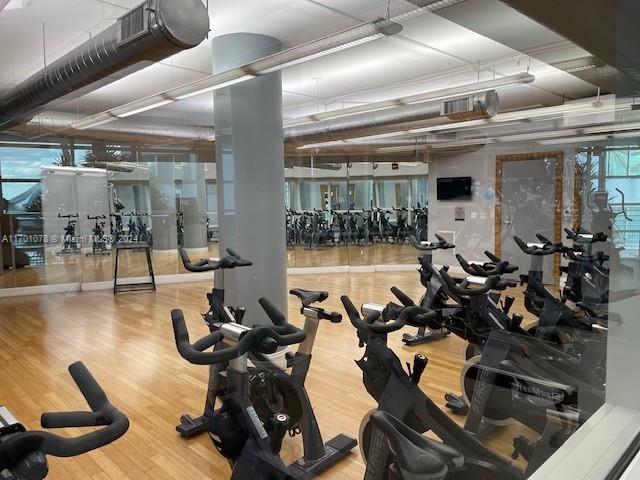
621	174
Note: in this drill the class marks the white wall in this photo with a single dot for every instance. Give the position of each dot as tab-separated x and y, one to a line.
477	233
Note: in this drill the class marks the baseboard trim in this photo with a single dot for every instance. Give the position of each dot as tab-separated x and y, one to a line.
40	290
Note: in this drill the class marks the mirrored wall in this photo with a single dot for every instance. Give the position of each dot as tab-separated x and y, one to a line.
356	214
65	209
67	206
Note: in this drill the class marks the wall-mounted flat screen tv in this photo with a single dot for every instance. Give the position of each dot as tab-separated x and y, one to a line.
454	188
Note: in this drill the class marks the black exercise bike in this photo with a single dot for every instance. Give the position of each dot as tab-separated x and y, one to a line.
23	453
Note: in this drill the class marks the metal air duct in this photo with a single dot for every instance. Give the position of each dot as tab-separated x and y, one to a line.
57	121
154	30
469	107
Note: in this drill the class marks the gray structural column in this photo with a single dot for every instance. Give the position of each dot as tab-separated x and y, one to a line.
162	193
250	175
194	202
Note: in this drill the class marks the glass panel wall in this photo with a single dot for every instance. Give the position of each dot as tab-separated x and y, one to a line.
610	187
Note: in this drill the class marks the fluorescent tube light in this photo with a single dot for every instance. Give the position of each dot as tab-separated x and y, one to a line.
436	145
536	135
94	121
440	4
450	126
619	127
349	38
518	79
584	138
128	111
27	142
211	88
635	134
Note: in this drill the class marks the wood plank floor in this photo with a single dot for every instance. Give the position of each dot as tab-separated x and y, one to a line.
127	342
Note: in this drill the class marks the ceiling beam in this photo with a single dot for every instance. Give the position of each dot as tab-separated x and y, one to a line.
606	29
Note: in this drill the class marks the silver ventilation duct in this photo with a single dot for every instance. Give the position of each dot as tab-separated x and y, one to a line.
469	107
154	30
62	121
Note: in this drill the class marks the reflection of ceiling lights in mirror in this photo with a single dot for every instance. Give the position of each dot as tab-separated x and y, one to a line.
346	39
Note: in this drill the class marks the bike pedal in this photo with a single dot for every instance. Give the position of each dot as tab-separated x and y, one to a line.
456	404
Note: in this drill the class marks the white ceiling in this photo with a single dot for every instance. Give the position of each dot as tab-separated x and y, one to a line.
430	53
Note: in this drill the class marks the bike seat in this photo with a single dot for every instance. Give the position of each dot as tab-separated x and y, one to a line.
421	456
308	296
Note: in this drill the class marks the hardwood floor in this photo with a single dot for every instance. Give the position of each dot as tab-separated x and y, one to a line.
127	343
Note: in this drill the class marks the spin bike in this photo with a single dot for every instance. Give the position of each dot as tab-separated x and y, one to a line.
70	242
398	394
521	377
272	389
236	430
434	297
23	454
98	243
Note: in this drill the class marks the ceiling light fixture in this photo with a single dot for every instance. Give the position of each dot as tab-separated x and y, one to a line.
576	108
505	119
576	65
620	127
207	87
635	134
346	39
29	143
479	87
132	109
584	138
436	145
536	135
94	121
434	6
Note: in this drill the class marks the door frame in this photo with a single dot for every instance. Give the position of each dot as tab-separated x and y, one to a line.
557	218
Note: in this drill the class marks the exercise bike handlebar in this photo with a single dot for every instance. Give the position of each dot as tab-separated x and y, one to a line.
372	323
462	289
624	207
441	244
587	237
547	249
232	260
102	414
487	269
598	257
264	338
